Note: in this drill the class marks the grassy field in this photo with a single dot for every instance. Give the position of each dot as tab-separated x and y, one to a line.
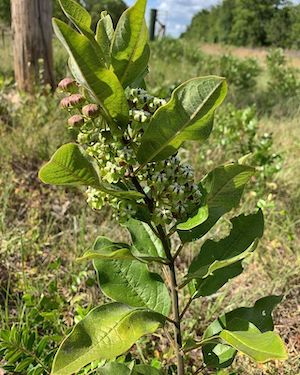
44	229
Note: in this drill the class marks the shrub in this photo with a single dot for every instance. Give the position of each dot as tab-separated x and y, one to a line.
126	155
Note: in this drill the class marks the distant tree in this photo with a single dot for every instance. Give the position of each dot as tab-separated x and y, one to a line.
245	22
114	7
294	39
279	28
5	11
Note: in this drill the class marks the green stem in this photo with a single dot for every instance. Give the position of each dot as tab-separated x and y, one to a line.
210	340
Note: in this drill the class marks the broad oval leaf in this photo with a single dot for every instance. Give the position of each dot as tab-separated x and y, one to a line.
130	50
130	282
69	165
214	255
260	315
105	333
187	116
102	83
144	241
262	347
224	186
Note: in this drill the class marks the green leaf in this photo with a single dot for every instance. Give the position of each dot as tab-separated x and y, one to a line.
77	14
114	368
69	165
105	333
144	241
259	315
104	248
215	255
196	219
105	33
262	347
218	355
130	282
187	116
102	83
145	370
130	50
212	283
224	186
119	193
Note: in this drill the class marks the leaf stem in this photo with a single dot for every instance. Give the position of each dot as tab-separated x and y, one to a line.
178	251
201	343
186	308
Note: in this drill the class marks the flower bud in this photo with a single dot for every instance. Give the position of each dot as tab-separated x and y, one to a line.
74	100
68	85
76	121
91	110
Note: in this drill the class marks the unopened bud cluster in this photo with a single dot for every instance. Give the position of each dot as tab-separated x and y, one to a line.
169	184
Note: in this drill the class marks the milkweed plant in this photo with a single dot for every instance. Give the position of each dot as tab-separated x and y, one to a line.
127	157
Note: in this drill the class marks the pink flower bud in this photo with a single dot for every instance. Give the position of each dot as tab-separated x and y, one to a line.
76	121
74	100
91	110
68	85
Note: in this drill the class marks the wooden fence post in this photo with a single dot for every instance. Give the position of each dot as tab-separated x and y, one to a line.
32	36
153	18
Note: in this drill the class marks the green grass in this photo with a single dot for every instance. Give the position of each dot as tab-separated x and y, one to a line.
44	229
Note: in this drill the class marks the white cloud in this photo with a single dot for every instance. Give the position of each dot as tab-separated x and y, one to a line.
180	12
177	14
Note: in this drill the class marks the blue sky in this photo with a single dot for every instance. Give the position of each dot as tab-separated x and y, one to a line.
177	14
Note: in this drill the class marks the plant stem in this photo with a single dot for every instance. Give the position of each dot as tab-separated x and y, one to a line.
175	301
173	283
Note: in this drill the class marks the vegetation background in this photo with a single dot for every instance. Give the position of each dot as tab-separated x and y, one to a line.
43	291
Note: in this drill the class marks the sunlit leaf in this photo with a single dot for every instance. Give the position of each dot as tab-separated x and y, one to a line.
69	165
259	315
105	333
130	50
262	347
187	116
102	83
130	282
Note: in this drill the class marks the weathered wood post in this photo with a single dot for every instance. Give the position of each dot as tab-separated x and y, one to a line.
153	18
32	35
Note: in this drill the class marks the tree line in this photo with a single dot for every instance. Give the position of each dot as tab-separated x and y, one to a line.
248	23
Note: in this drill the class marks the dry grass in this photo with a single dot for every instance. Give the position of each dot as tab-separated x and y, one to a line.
260	54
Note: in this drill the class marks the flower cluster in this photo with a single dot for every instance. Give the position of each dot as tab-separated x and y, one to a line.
169	184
